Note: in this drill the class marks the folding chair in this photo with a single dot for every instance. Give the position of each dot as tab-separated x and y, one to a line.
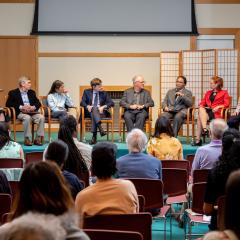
33	157
6	202
138	222
96	234
180	164
152	190
200	175
195	213
11	163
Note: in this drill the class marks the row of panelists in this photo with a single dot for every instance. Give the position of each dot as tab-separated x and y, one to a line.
136	101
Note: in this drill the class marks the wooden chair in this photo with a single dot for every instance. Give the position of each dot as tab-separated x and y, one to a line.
5	217
47	113
96	234
122	124
181	164
33	157
200	175
6	203
189	119
108	121
190	158
11	163
152	190
138	222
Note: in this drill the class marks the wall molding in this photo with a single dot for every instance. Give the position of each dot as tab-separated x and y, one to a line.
17	1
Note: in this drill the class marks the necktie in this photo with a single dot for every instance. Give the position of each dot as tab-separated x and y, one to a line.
95	102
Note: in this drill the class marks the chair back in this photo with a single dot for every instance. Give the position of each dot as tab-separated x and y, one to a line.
6	202
11	163
200	175
43	100
151	189
181	164
221	210
175	181
141	201
138	222
189	158
85	178
33	157
96	234
198	192
5	217
14	187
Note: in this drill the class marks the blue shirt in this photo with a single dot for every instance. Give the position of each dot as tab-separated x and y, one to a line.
207	155
25	98
139	165
95	94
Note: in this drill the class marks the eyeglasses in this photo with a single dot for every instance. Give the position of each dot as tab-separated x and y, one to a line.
140	81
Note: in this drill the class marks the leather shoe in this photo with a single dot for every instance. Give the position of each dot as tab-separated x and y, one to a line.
102	132
93	141
27	142
38	141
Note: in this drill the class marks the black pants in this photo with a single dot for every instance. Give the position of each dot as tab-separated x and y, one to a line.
234	122
135	119
96	118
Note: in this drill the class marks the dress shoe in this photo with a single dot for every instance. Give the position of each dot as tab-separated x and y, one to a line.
205	132
38	141
93	141
102	132
27	142
199	143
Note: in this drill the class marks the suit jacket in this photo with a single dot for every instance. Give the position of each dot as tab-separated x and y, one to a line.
104	99
222	98
15	99
128	98
180	104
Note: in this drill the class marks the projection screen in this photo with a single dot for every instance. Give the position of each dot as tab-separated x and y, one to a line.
114	17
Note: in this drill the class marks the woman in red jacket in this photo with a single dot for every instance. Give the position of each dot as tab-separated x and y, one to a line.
210	107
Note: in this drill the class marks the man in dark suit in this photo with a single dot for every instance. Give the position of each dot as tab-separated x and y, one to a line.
136	102
26	105
176	102
96	103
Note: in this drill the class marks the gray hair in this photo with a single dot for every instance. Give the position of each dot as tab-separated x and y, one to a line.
136	140
217	127
23	79
135	77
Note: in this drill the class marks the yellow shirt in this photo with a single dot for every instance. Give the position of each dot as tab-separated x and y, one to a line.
165	148
111	196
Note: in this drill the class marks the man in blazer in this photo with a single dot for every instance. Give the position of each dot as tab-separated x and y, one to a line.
26	105
176	103
136	102
96	103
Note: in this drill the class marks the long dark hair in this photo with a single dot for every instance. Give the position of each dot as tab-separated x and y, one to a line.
75	162
42	189
4	134
163	125
55	85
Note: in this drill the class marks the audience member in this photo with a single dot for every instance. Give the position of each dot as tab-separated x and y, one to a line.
10	149
59	100
4	184
217	235
217	178
43	190
206	156
137	164
164	145
57	151
107	195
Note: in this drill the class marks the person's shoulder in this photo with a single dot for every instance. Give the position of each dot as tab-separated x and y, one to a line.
188	91
224	91
123	158
31	91
176	140
13	91
129	90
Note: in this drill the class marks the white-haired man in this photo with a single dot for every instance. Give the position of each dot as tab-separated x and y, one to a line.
26	105
207	155
137	164
136	102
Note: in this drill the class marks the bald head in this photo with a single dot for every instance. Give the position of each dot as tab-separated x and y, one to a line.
218	127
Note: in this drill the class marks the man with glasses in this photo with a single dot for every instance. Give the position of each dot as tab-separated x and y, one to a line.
136	102
176	103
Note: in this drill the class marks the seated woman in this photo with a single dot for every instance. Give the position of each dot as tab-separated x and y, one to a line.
43	190
107	195
164	145
217	178
58	99
210	107
10	149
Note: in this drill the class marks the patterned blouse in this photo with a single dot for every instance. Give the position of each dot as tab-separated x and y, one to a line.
165	148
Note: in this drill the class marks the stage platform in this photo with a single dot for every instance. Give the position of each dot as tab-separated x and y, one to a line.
122	148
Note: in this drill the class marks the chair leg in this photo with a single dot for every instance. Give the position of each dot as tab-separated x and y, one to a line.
49	132
187	132
108	131
32	131
112	131
123	132
14	132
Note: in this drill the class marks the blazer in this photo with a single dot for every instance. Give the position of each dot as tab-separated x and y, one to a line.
128	98
180	104
222	98
104	99
15	100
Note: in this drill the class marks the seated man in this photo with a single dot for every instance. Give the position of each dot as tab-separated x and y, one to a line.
96	103
176	102
136	102
26	105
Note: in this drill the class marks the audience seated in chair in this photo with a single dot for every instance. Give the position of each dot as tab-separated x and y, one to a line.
43	190
96	103
217	178
137	164
136	102
163	145
9	149
107	195
26	105
57	151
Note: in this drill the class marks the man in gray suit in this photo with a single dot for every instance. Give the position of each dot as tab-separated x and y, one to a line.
176	102
136	102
